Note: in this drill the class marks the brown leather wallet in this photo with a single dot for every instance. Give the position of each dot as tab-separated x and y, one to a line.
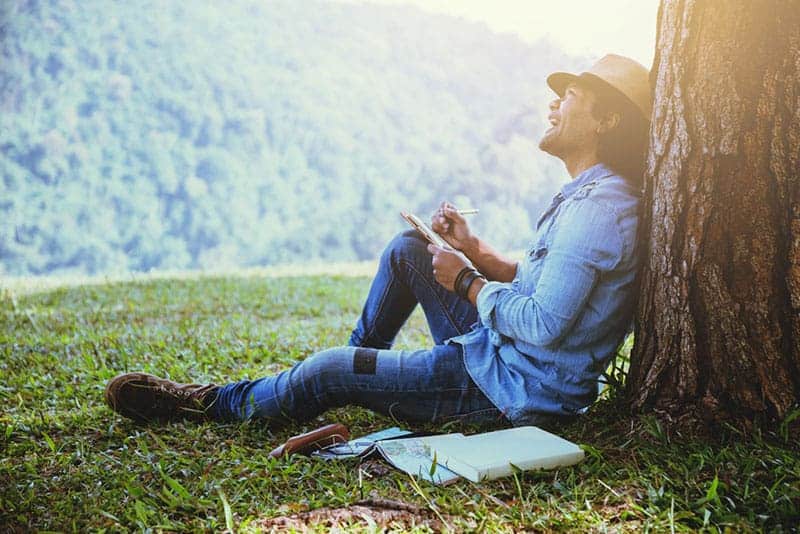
312	441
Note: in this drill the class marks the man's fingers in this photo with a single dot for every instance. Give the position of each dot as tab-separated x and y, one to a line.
452	213
440	224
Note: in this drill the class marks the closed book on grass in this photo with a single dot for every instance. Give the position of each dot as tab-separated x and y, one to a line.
496	454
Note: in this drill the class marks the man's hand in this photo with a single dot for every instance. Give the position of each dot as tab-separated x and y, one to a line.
452	226
447	264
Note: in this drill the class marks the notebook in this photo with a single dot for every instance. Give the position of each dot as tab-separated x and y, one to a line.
495	454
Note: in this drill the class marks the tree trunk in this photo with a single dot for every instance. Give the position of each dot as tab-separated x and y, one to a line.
718	324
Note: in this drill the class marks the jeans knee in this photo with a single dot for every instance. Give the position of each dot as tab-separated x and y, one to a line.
323	372
406	246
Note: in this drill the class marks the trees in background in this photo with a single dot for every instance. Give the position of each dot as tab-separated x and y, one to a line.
718	330
171	135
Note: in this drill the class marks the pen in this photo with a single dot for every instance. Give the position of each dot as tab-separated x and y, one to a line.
472	211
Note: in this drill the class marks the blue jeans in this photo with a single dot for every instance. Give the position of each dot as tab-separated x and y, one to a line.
417	386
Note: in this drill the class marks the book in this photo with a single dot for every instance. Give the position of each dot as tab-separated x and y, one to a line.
496	454
413	456
402	449
420	226
444	458
359	446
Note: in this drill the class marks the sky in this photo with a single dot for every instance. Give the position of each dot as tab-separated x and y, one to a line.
587	27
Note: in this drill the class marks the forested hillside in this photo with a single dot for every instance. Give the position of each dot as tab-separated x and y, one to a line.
143	135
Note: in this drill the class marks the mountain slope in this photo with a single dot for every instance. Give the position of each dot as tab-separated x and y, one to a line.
160	135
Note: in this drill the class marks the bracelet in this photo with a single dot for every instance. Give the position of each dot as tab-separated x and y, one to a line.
459	277
466	282
462	289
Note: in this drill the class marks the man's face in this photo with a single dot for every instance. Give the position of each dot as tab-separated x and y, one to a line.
573	128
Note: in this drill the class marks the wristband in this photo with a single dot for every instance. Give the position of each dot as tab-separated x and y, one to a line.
462	290
468	283
460	277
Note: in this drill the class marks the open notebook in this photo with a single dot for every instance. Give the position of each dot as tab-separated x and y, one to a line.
441	459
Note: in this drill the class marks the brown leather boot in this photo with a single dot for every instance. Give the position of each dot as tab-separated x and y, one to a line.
145	398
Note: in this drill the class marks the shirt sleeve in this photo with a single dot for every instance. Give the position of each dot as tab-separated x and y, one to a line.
586	242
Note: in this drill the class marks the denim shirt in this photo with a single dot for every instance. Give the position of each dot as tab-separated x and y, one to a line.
544	338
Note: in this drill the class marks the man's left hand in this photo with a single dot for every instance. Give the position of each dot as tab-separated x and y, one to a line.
447	264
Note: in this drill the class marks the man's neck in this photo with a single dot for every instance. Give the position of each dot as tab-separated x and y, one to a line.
578	164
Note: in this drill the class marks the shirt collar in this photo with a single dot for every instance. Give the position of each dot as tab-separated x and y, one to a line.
592	174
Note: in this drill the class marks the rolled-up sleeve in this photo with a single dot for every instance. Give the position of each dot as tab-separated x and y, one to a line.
586	243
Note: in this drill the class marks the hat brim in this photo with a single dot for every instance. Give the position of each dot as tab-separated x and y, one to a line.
558	81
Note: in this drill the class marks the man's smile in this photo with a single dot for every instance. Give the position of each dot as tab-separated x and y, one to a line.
553	122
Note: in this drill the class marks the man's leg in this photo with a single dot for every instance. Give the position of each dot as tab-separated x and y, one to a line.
421	386
405	278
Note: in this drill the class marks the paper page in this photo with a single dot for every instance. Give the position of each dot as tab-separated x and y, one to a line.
412	455
359	446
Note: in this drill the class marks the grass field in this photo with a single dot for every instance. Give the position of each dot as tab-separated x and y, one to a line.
69	464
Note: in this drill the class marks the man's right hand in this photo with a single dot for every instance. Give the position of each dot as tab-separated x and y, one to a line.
452	226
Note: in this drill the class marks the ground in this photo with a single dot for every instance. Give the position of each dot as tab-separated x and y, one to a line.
69	463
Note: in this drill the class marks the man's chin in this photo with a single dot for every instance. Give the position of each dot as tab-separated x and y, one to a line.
546	145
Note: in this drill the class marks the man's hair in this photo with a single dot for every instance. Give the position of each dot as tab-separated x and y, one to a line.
623	148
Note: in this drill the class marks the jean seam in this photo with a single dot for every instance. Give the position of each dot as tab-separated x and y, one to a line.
379	311
339	389
342	389
302	387
447	314
433	389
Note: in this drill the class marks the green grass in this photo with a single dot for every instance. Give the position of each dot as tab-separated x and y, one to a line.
68	463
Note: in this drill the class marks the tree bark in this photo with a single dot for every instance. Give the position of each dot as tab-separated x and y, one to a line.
718	322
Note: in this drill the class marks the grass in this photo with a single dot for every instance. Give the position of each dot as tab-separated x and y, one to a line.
69	464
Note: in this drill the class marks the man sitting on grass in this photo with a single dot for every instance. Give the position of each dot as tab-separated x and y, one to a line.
514	342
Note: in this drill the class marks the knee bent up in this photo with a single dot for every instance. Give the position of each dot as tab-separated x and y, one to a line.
409	246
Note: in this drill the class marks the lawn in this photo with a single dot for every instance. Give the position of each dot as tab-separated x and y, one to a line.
70	464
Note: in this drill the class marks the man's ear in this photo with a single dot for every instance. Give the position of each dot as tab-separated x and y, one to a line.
609	122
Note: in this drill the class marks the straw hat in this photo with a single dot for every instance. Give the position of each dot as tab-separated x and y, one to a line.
623	74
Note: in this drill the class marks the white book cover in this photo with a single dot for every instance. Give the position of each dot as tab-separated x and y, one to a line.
495	454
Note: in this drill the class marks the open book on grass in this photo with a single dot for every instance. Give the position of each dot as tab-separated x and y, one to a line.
441	459
404	450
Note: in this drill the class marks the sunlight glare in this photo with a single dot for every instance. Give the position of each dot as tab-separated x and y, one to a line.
585	27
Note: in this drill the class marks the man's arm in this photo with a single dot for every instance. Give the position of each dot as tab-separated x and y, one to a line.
452	226
474	289
538	319
587	244
489	261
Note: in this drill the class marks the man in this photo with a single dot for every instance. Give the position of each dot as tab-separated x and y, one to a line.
519	342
